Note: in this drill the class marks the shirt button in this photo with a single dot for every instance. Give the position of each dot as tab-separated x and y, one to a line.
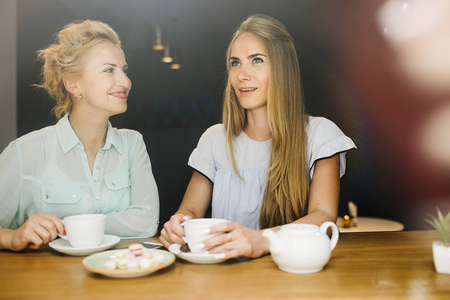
74	196
98	197
97	167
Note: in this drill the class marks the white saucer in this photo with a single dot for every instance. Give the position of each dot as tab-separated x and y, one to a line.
95	263
202	258
63	246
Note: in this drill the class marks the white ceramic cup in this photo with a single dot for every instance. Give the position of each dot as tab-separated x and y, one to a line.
84	231
197	230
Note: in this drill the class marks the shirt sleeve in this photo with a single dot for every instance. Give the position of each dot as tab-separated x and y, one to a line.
325	140
141	218
202	157
10	182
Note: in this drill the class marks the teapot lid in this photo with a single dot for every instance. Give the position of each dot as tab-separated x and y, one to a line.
299	227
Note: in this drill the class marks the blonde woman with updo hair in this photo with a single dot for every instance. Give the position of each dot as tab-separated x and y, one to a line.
269	163
81	165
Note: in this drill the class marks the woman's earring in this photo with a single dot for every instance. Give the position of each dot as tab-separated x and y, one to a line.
78	95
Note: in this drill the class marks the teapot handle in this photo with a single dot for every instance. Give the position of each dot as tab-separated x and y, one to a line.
334	232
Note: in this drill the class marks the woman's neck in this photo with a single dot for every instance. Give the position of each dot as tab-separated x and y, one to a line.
90	130
257	127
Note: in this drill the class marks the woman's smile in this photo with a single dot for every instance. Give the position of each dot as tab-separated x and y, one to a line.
121	95
247	90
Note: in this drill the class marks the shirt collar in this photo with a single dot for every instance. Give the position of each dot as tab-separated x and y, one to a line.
68	139
112	139
66	136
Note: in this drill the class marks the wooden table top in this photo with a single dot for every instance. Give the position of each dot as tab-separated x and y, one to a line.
371	224
369	265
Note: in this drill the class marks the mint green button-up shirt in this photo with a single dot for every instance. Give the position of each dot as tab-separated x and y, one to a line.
47	171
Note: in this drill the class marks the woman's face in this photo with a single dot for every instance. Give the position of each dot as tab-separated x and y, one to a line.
104	84
249	71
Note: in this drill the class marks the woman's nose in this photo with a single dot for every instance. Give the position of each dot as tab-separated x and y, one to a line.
123	80
244	74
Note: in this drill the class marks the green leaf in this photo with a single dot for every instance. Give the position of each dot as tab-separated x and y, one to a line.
442	225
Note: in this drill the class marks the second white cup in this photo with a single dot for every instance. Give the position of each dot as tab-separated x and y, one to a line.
84	231
197	230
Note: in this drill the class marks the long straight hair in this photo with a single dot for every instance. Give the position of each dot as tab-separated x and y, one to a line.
286	193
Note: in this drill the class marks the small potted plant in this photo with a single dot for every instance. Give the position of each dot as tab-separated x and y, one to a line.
441	248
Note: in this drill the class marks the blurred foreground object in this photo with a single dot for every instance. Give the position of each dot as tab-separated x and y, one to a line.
419	31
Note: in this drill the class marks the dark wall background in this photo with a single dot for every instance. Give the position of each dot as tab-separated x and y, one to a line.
346	74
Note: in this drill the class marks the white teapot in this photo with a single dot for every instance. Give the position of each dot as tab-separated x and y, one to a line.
302	248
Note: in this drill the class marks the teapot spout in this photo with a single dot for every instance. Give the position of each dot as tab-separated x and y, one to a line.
274	241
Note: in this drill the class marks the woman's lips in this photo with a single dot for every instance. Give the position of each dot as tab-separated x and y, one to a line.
120	95
247	90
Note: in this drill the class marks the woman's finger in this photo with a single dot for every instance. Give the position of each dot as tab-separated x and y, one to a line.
223	227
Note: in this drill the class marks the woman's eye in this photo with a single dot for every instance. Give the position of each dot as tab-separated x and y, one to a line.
257	60
109	70
235	63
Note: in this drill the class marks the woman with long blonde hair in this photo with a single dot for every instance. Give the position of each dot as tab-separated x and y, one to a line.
269	163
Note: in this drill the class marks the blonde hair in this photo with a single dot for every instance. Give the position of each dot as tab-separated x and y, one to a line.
286	192
64	57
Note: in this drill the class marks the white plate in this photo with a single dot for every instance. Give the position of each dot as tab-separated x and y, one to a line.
202	258
95	263
63	246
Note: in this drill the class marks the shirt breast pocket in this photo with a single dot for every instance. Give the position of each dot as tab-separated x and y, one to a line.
117	193
117	180
61	199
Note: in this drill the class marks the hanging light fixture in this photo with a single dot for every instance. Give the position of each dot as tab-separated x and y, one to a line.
158	40
176	61
167	58
175	66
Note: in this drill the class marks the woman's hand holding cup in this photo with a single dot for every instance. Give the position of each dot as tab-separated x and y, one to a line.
39	229
238	240
198	231
173	232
